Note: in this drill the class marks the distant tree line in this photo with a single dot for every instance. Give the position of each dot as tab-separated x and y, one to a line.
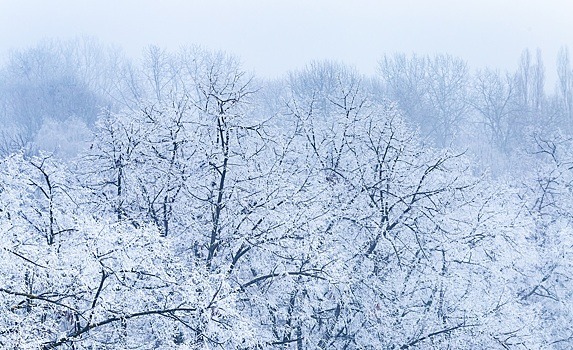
195	206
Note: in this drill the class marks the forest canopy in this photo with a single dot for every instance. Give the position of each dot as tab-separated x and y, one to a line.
177	201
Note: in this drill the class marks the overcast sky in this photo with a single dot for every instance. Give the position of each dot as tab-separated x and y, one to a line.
274	36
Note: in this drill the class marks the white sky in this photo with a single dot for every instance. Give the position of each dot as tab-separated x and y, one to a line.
274	36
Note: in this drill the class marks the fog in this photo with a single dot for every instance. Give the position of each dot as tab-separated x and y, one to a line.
269	175
273	37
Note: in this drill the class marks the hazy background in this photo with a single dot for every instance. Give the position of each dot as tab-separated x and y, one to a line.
273	37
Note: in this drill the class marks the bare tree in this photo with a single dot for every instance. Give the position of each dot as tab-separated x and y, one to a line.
495	99
565	84
432	91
